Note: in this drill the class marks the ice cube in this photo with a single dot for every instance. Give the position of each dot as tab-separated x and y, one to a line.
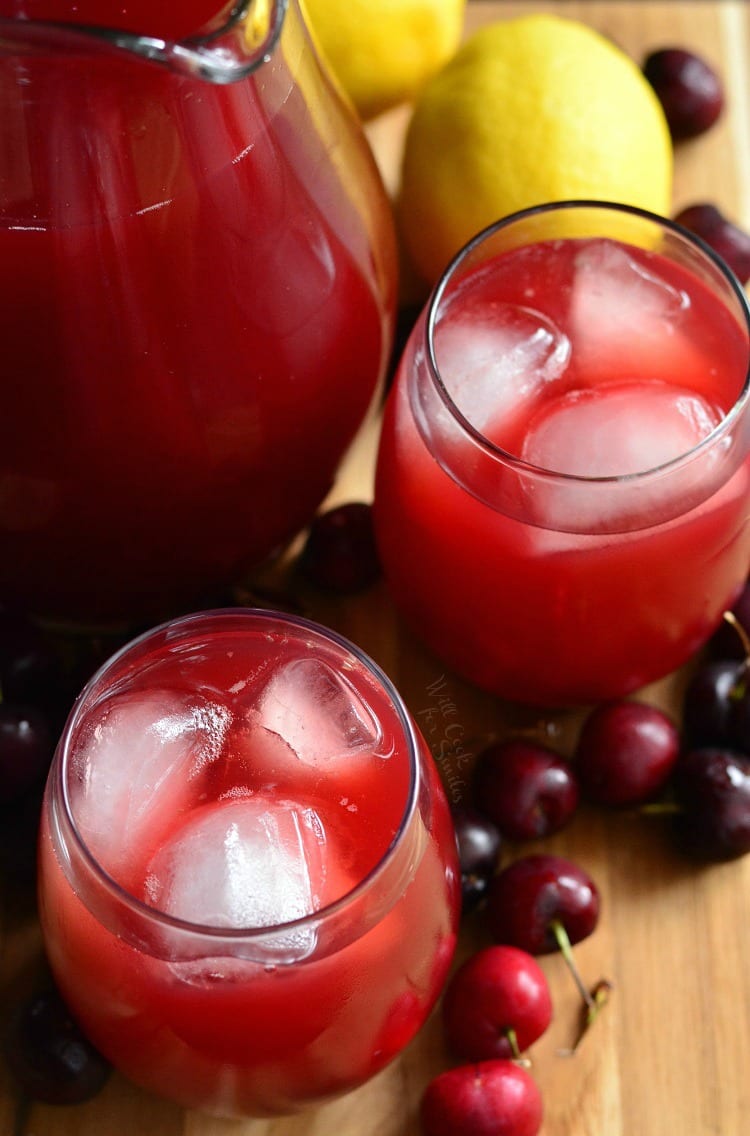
317	712
625	320
246	862
497	360
144	755
614	431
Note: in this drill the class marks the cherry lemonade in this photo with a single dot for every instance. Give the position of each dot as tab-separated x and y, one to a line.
141	17
248	870
197	310
519	533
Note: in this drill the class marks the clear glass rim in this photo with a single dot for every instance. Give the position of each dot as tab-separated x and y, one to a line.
154	915
497	453
203	56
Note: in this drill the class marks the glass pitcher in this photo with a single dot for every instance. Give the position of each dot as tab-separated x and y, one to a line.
197	291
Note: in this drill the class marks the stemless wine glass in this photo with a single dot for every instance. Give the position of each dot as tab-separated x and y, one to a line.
562	491
248	878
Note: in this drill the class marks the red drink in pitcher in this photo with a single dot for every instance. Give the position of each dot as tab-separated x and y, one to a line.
197	307
142	17
563	491
249	886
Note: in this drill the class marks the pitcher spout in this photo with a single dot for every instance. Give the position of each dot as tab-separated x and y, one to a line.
225	51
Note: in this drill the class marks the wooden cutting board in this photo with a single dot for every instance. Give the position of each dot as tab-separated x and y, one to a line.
671	1052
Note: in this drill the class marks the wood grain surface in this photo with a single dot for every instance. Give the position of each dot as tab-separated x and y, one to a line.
670	1054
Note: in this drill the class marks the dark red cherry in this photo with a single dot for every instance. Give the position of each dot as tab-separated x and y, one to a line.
50	1058
711	696
479	845
525	788
712	791
533	895
688	88
340	554
626	752
727	641
26	748
29	664
726	238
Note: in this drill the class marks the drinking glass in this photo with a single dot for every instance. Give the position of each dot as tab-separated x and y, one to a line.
248	880
562	490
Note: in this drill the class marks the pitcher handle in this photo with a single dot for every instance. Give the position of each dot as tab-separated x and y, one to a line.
245	42
235	50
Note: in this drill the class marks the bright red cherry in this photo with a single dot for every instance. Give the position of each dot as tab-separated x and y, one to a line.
490	1098
626	752
525	788
496	1004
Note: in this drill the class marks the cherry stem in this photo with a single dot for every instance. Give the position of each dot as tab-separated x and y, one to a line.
660	808
734	622
599	997
594	1000
515	1053
512	1037
566	950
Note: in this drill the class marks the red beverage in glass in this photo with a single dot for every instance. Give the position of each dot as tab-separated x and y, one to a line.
563	490
249	889
197	305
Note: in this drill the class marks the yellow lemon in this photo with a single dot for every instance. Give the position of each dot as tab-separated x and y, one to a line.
534	109
382	53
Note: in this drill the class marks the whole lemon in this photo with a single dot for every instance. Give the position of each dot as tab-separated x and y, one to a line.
534	109
382	53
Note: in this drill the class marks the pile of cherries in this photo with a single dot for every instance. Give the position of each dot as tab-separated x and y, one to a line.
629	755
48	1056
689	90
40	675
692	98
29	678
